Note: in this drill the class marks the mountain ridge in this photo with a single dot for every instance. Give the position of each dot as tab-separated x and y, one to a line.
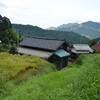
29	30
89	29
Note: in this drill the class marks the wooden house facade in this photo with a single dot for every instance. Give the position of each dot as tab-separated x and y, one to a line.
53	50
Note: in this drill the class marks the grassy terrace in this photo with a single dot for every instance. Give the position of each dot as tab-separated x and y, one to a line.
81	81
16	66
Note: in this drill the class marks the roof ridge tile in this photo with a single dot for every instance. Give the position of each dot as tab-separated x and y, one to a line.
45	38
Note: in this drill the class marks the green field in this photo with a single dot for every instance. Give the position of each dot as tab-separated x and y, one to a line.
81	81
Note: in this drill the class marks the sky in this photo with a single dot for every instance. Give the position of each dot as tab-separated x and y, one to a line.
47	13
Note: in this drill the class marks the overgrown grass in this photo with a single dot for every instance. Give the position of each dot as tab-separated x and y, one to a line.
79	82
17	68
12	66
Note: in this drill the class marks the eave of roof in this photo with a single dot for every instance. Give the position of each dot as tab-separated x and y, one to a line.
80	52
61	53
40	53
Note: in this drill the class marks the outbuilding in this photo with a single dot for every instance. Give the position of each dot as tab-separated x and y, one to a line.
53	50
78	49
96	46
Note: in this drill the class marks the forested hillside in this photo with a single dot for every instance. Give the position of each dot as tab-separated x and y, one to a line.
89	29
28	30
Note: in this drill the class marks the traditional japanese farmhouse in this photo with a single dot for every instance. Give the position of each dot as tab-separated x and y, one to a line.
78	49
53	50
96	46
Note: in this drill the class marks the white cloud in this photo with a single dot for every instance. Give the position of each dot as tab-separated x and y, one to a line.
46	13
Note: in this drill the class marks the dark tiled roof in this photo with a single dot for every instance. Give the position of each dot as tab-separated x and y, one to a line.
96	47
42	43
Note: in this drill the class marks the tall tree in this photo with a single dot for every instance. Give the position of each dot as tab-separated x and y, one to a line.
93	42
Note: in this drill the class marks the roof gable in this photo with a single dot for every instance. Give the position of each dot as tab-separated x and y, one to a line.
42	43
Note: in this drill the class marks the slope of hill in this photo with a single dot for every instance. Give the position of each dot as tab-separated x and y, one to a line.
28	30
80	82
63	27
12	66
89	29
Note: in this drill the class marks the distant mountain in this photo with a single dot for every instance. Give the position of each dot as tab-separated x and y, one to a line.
29	30
95	25
63	27
89	29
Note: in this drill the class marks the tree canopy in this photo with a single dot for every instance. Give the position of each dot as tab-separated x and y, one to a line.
7	34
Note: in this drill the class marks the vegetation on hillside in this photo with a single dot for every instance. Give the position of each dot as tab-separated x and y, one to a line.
97	39
9	37
89	29
81	81
31	78
12	65
70	37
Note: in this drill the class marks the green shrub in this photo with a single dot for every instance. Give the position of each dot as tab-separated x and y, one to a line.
13	50
3	50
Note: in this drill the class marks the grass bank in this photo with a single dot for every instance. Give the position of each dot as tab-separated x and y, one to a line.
81	81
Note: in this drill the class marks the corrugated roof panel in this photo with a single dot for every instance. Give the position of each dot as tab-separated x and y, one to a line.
82	47
61	53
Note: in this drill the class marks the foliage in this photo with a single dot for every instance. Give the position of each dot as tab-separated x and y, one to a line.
3	50
75	83
13	50
5	41
7	34
93	43
70	37
96	39
4	24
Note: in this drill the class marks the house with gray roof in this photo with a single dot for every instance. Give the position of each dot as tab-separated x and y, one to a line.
53	50
78	49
